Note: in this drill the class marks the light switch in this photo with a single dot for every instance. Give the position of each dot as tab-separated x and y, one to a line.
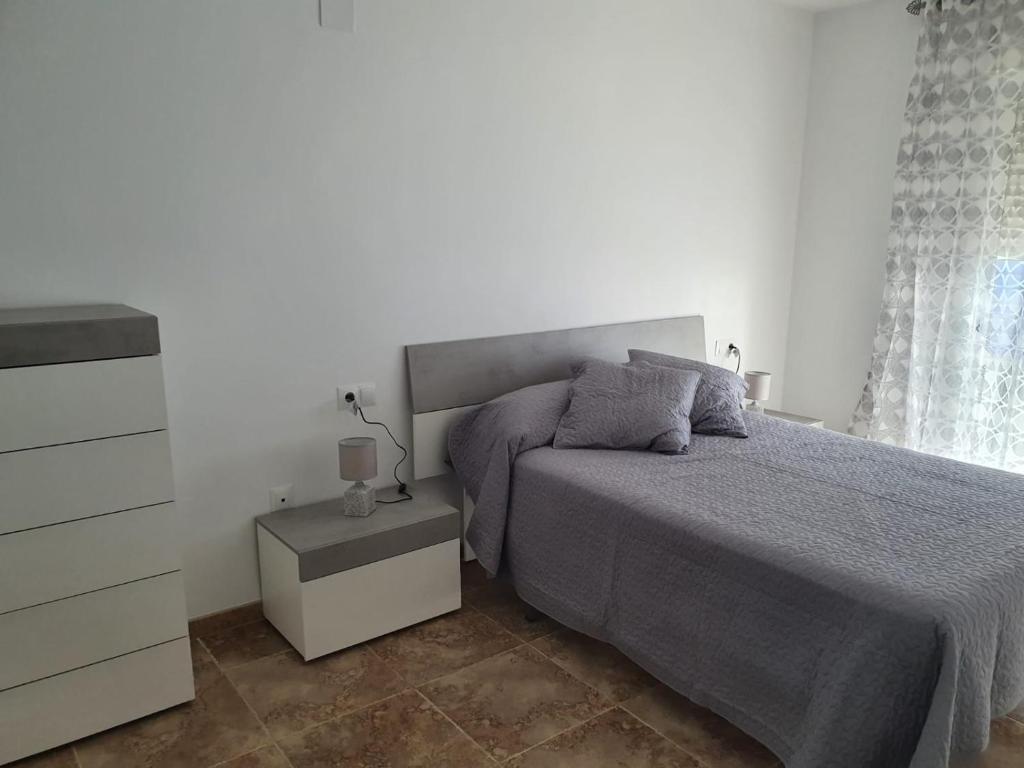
339	15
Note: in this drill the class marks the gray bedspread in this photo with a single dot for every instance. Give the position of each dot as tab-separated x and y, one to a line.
846	603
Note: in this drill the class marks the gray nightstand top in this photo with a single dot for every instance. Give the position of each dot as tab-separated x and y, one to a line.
327	541
810	421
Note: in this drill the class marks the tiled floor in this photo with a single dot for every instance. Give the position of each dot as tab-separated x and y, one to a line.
478	687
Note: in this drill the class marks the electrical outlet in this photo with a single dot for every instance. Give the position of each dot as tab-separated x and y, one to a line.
344	403
350	395
280	497
727	354
722	353
367	394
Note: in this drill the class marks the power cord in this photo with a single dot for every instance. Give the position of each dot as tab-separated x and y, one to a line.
733	349
402	487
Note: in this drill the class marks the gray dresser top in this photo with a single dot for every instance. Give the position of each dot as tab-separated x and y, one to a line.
326	541
50	335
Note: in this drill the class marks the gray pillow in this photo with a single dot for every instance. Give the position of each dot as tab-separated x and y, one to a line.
718	406
637	407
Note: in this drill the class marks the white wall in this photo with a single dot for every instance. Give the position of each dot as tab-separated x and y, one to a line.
297	204
862	64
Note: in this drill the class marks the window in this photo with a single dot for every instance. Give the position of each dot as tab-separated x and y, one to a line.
1004	336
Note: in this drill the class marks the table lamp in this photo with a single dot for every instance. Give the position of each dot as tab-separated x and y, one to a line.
759	385
357	460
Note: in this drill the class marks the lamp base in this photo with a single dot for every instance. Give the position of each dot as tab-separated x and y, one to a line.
359	500
755	407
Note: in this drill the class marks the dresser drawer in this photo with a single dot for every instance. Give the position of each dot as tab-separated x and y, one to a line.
67	707
70	482
73	558
52	404
67	634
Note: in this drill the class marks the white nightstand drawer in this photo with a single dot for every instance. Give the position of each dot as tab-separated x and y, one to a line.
50	485
101	625
59	561
53	404
337	611
63	708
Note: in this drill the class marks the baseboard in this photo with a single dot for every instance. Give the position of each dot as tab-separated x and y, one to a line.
226	619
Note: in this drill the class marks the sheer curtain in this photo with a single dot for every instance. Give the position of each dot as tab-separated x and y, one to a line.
947	373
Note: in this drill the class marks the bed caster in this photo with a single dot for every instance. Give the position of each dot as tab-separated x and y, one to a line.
532	615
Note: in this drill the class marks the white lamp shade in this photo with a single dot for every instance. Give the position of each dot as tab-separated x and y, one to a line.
357	458
759	385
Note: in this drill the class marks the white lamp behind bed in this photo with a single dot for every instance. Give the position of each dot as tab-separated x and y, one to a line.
759	385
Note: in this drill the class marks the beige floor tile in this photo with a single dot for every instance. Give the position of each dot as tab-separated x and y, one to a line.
55	758
217	726
511	702
442	645
265	757
234	617
597	664
615	739
244	643
703	734
498	600
405	730
204	671
291	695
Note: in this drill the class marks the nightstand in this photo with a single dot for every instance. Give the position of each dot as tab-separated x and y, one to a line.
331	581
809	421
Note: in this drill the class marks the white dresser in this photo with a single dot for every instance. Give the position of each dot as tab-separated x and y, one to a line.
93	630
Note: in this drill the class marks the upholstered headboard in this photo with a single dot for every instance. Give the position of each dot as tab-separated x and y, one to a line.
447	377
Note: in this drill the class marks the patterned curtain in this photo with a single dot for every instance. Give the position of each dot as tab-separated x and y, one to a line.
947	374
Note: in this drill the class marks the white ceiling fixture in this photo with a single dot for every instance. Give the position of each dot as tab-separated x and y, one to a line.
822	5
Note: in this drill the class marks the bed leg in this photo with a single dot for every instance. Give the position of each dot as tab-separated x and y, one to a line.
532	614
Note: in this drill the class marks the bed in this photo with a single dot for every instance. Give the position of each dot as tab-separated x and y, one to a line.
846	603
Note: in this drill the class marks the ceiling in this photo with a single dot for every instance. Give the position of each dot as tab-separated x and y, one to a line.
822	5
